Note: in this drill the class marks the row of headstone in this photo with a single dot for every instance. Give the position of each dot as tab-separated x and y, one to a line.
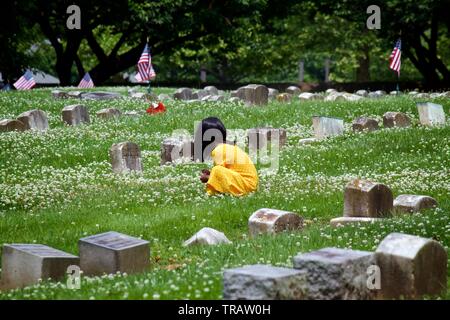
91	95
209	93
403	266
367	202
182	147
106	253
30	120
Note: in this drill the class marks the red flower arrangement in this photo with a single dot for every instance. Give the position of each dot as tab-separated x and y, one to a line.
156	108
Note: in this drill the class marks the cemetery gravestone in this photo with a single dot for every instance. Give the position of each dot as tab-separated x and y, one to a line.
109	113
273	93
254	94
262	282
411	267
259	138
211	90
57	94
34	120
308	96
125	157
207	236
111	252
11	125
343	221
413	203
183	94
364	123
271	221
100	95
75	94
176	148
26	264
362	93
364	198
335	274
295	91
431	114
75	114
326	126
396	119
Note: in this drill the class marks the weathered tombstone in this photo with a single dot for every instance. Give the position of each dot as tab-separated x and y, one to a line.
380	92
374	95
100	95
352	97
273	93
295	91
362	93
271	221
413	203
259	138
255	94
207	236
109	113
411	267
335	96
75	114
211	90
343	221
431	114
330	91
309	96
216	98
364	123
183	94
112	252
396	119
307	141
200	94
364	198
422	95
125	157
74	94
176	148
284	97
394	93
206	98
11	125
326	126
34	120
336	274
262	282
57	94
27	264
141	95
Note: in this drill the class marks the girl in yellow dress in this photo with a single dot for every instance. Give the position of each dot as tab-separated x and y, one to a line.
233	172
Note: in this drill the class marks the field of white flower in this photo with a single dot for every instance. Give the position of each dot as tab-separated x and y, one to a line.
57	186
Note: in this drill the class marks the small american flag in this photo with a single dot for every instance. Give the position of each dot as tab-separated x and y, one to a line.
395	58
25	82
145	68
86	82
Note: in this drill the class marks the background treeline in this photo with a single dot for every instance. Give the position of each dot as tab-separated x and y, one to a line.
232	40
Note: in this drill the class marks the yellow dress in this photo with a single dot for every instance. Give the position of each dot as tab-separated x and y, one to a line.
233	172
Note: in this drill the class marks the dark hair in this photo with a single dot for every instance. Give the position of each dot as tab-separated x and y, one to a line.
207	124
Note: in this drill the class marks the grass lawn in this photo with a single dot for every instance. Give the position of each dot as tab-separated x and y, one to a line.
57	187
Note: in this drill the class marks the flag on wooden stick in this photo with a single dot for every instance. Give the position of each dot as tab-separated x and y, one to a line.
86	82
25	82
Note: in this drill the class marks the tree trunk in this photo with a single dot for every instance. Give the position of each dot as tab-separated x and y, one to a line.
363	70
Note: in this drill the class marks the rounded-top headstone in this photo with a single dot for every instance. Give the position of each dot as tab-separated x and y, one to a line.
294	90
183	94
396	119
411	266
413	203
364	198
211	90
125	157
364	123
34	120
11	125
